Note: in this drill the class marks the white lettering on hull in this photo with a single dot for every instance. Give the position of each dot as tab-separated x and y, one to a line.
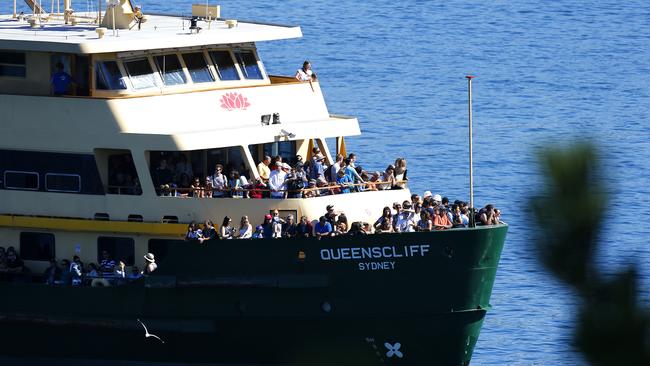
375	255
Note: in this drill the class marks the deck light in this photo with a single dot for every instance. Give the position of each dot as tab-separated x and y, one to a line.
276	118
266	119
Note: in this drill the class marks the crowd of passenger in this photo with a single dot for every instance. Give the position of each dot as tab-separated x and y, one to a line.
278	179
74	272
432	212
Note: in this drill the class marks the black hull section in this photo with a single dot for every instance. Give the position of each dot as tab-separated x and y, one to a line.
302	302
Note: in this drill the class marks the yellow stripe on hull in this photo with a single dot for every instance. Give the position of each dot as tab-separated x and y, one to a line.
80	225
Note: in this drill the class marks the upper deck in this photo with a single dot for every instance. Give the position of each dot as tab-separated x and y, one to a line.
51	34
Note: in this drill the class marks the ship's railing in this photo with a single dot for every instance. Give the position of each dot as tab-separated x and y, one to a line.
245	192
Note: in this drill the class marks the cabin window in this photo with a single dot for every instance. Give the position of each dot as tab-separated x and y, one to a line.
108	76
37	246
170	69
197	67
122	175
12	64
56	182
21	180
141	74
27	169
285	149
120	249
249	65
224	64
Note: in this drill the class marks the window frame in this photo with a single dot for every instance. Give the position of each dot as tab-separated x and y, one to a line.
242	66
114	255
158	83
38	180
34	234
23	66
208	66
64	175
123	76
186	77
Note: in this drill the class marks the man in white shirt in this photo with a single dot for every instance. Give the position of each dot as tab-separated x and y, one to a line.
277	180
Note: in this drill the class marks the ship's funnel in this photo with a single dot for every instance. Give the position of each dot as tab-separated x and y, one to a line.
123	15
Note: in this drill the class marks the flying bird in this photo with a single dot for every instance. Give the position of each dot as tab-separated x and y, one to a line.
147	334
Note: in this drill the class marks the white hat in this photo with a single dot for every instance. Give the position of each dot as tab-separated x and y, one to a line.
427	194
285	166
437	198
149	257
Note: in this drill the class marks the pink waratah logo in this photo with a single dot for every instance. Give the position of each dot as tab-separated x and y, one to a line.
232	101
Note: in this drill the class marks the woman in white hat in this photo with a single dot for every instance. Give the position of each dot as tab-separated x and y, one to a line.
150	264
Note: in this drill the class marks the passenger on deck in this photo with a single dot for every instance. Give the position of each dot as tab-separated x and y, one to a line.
485	216
374	183
425	223
296	181
150	264
138	17
406	220
322	228
334	169
162	175
197	189
356	229
289	228
305	73
209	232
219	182
400	173
135	274
245	228
76	269
193	232
60	81
259	232
52	273
226	231
235	184
207	188
330	215
66	275
441	221
304	228
107	265
344	181
277	183
316	168
386	216
263	168
120	270
341	226
457	217
267	226
398	209
311	191
93	270
257	190
388	178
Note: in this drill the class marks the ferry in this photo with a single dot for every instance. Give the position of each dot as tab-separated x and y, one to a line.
80	175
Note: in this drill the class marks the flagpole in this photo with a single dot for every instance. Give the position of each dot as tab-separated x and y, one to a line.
472	222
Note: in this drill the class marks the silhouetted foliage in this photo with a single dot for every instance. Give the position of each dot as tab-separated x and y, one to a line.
612	328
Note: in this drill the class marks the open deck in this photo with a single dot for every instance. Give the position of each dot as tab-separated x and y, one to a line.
160	31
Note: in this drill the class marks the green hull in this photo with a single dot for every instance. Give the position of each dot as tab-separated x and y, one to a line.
263	302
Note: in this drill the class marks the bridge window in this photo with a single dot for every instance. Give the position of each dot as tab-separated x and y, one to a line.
140	73
170	69
12	64
108	76
225	65
197	67
249	65
37	246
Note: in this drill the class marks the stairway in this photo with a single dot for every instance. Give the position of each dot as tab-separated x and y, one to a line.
35	5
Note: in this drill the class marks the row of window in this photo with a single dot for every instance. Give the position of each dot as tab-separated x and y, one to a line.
35	246
177	69
51	172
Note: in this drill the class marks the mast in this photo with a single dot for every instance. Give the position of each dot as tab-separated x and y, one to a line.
471	160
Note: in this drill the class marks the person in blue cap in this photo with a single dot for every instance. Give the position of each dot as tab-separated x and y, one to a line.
60	81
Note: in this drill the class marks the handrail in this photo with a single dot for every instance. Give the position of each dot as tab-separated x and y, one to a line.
329	187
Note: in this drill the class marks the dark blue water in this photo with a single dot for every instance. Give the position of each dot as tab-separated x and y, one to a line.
547	73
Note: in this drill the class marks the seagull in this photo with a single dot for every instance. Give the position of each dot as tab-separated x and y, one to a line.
147	334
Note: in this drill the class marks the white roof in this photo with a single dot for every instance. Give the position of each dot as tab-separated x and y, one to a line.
159	32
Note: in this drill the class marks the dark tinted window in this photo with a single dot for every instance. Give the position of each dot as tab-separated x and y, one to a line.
224	65
37	246
197	67
170	69
55	182
20	180
248	64
140	74
121	249
28	170
109	76
12	64
160	247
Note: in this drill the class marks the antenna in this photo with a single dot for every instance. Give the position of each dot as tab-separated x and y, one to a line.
472	222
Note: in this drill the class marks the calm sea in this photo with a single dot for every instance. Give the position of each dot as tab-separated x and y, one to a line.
546	73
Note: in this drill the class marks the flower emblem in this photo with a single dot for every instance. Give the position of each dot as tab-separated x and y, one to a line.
232	101
393	350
